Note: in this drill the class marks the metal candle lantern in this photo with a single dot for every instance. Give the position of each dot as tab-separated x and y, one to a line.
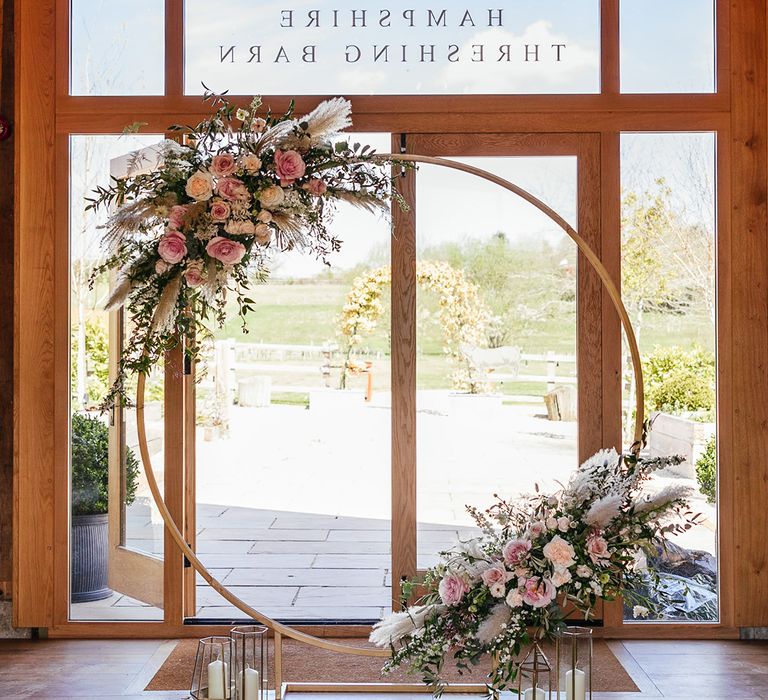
534	680
574	663
249	659
212	676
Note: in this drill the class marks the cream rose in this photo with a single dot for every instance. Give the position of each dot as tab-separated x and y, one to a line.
272	197
200	186
263	234
559	552
239	228
264	216
250	163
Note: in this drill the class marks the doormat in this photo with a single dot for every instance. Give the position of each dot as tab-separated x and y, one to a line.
307	664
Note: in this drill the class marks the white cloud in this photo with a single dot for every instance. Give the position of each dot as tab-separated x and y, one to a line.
576	72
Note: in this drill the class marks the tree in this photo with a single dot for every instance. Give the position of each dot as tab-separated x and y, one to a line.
666	262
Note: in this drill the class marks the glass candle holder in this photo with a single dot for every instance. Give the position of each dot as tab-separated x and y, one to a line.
249	662
574	662
212	675
534	677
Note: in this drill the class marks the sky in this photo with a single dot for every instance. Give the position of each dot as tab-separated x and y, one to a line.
118	49
666	46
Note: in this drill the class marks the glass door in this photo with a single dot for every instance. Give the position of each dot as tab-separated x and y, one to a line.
507	381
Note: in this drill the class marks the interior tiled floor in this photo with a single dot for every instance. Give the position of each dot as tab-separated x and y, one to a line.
675	670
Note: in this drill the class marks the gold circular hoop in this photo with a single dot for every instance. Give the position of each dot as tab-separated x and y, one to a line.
286	630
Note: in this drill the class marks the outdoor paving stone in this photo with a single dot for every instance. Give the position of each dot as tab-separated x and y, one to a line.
222	546
328	523
258	561
352	561
225	534
253	595
324	612
353	597
338	578
305	547
359	536
219	574
256	522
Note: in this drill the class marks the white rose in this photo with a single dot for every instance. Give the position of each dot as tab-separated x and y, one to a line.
514	598
272	197
640	611
583	571
563	524
551	523
497	590
200	186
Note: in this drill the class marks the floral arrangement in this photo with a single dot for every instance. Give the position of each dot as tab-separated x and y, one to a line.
501	591
186	237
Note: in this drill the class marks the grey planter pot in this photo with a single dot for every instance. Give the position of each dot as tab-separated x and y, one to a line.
89	558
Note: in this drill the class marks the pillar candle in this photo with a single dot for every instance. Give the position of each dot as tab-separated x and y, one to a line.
251	685
580	685
537	694
217	673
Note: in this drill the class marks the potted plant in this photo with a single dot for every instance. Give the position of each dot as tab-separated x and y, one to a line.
90	505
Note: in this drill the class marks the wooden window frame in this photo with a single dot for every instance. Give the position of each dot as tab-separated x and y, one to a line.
737	112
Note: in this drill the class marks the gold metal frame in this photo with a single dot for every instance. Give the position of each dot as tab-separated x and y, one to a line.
279	629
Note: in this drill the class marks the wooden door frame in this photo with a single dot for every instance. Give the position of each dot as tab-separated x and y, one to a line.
46	115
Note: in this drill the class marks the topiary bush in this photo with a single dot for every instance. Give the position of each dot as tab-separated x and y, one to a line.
679	381
90	467
706	470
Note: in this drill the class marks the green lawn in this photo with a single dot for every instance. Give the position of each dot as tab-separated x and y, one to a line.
305	314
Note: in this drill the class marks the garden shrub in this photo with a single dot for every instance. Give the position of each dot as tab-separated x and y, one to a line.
679	381
706	470
90	467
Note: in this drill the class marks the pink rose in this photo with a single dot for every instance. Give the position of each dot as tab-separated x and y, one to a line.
223	165
597	548
560	577
452	589
231	188
177	215
161	267
559	552
289	166
172	247
496	579
515	551
229	252
539	592
220	210
537	528
315	186
194	275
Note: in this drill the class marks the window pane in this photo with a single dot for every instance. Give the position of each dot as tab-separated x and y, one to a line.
293	439
667	46
117	533
118	47
668	285
539	46
496	341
